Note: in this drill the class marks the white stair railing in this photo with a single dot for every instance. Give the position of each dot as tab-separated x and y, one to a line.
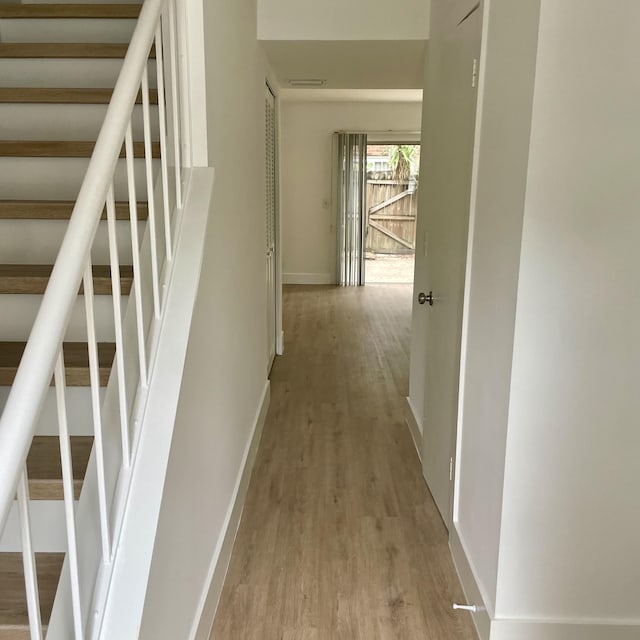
43	357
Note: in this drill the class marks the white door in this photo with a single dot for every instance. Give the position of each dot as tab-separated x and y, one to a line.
270	129
450	128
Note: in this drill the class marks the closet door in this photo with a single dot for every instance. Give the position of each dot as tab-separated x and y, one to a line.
449	142
270	132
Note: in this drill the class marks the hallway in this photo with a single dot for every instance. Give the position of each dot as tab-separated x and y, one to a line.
340	539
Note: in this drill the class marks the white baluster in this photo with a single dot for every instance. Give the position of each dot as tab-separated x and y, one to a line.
135	248
148	157
29	559
163	144
116	294
69	495
94	374
175	94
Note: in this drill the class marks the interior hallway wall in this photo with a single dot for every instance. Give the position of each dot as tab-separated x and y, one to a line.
571	508
308	222
547	511
225	371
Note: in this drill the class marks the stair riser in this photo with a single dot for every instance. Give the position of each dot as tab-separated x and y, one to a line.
38	241
30	72
60	178
78	411
47	528
19	313
66	30
63	121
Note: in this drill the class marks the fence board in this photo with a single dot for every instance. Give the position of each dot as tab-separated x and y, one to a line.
391	216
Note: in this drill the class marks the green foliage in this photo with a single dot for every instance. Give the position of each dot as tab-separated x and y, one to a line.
401	159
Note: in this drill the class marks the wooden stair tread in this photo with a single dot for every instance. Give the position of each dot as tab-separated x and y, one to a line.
13	603
63	149
64	50
43	461
54	95
17	632
57	210
44	467
69	10
33	279
76	362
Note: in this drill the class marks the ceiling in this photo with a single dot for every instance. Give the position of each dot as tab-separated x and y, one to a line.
348	64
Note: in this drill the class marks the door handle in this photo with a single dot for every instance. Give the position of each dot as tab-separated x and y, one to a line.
423	298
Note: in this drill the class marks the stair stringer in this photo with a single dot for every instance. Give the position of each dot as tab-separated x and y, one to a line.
90	552
114	592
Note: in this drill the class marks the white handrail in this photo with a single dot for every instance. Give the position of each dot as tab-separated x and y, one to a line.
91	549
32	380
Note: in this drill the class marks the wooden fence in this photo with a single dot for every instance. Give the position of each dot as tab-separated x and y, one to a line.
392	208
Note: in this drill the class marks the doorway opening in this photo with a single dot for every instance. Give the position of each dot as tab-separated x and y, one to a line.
391	212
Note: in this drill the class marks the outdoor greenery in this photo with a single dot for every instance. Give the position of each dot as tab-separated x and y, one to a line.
401	160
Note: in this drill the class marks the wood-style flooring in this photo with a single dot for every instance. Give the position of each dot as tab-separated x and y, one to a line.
340	539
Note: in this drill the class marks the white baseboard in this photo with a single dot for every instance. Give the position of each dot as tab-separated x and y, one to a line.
414	426
307	278
489	628
472	593
540	630
222	555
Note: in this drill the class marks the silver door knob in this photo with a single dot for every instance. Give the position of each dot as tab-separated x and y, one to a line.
424	298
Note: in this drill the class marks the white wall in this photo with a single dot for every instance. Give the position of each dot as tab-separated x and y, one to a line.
307	214
225	373
500	166
571	513
546	504
340	20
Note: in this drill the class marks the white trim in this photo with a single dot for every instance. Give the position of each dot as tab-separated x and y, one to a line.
212	591
128	579
534	630
489	628
278	229
470	587
415	428
280	344
307	278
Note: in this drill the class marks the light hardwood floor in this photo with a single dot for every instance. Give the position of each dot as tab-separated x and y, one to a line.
340	539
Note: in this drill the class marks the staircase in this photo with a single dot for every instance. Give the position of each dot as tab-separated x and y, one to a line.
58	64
